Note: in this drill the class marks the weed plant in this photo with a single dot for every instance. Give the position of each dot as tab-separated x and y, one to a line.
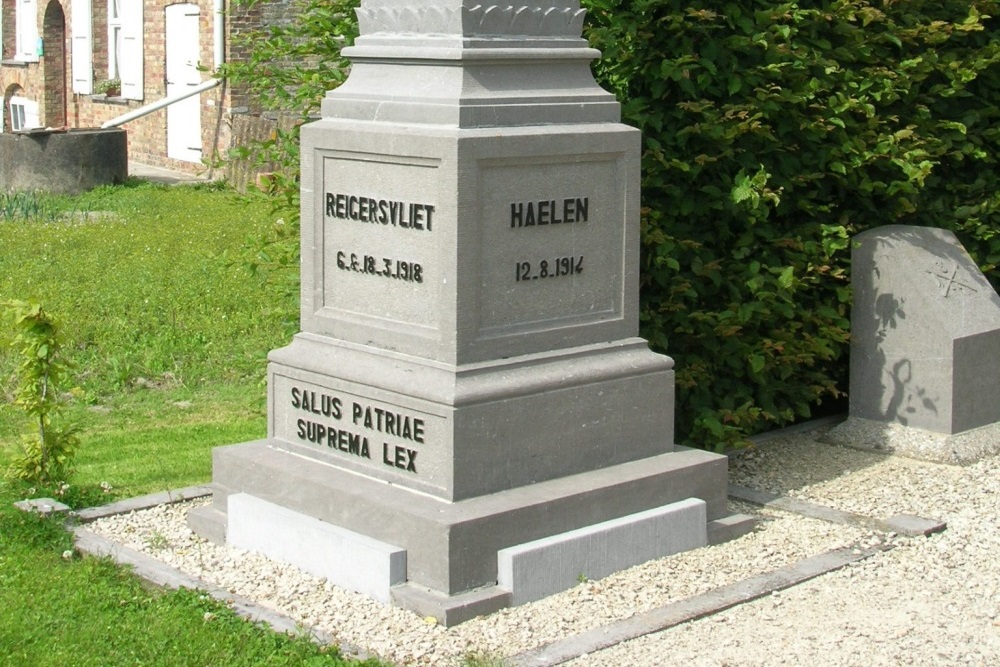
36	207
165	321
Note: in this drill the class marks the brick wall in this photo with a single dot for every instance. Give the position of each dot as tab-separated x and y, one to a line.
147	136
54	75
23	79
9	27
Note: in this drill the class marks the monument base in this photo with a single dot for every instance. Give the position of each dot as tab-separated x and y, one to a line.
452	547
917	443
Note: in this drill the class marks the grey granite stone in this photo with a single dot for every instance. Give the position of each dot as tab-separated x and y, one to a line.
42	506
542	567
925	332
468	376
730	527
912	525
451	546
348	559
450	610
917	443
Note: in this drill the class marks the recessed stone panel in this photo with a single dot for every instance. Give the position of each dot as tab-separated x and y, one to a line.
379	221
552	243
343	424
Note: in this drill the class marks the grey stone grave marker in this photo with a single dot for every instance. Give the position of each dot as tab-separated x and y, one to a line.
468	400
925	348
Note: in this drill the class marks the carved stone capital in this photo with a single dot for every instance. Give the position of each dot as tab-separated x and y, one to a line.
536	19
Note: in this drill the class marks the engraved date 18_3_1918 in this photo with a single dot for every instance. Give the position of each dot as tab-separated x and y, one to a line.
383	267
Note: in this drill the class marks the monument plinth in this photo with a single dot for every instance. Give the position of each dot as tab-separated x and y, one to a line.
468	387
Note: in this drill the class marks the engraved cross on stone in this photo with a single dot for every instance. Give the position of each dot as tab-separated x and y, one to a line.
946	280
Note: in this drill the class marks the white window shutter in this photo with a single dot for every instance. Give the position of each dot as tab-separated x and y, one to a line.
31	117
83	49
130	66
27	30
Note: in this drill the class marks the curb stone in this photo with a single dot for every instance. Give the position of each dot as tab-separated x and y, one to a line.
143	502
737	593
902	524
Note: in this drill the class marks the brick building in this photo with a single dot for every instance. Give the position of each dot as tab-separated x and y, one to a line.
59	60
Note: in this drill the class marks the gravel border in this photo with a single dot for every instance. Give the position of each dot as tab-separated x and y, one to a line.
794	465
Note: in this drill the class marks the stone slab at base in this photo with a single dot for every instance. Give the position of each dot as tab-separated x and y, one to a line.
912	525
451	546
208	522
916	443
730	527
450	610
44	506
543	567
347	559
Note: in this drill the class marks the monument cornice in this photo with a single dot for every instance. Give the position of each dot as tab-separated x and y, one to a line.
461	17
418	52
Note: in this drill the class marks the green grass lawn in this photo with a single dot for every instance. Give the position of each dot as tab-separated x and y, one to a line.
169	330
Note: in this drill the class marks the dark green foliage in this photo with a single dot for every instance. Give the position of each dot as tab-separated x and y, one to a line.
290	67
772	133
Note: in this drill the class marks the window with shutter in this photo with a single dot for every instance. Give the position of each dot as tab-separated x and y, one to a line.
130	56
114	38
26	20
83	55
23	114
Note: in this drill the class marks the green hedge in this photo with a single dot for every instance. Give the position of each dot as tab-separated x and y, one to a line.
772	134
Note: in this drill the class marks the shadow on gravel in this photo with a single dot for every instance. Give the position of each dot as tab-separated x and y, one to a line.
794	458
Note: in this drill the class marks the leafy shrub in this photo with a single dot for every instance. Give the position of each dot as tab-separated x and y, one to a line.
773	132
290	65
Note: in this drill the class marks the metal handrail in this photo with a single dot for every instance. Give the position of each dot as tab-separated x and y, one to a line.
159	104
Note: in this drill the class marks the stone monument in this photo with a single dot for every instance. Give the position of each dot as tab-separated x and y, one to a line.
925	348
468	401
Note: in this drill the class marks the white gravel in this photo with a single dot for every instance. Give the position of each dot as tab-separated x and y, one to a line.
929	601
